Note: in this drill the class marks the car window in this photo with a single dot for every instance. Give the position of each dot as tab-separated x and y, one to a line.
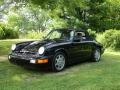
71	35
55	34
80	35
60	34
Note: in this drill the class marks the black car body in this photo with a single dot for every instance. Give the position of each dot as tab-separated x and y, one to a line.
58	49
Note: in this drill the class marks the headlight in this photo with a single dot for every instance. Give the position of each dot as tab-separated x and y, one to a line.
41	50
13	47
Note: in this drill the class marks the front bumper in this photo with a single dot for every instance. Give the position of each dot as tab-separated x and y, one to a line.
29	61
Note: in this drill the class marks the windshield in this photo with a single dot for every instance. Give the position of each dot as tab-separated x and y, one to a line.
60	34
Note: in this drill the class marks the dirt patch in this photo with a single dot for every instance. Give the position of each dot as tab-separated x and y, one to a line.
3	57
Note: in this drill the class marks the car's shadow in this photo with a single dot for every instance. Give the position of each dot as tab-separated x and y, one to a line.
49	70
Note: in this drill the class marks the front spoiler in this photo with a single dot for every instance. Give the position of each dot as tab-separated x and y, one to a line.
25	62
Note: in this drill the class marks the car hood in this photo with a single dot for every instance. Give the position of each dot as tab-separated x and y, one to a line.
35	45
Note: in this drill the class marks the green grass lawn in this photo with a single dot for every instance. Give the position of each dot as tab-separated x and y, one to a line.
103	75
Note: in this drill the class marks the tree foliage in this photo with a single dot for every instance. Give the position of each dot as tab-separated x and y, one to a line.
96	14
40	15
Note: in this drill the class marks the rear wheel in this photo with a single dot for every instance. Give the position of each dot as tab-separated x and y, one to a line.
96	55
59	62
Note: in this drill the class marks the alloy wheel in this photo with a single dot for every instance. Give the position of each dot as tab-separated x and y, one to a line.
97	55
59	62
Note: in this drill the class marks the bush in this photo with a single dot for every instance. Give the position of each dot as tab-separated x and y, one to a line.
34	34
100	37
7	33
1	33
10	33
110	39
92	33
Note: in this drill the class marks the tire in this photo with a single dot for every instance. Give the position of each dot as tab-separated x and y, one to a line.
96	57
59	62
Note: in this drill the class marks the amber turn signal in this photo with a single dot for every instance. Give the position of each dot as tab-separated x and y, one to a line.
40	61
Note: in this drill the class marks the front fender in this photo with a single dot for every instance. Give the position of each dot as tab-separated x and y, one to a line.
60	49
53	50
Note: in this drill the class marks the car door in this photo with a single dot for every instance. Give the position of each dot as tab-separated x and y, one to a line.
77	50
86	49
80	50
88	46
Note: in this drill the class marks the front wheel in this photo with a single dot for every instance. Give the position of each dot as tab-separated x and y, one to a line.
59	62
96	55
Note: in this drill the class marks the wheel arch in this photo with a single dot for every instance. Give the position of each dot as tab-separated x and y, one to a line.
98	46
64	51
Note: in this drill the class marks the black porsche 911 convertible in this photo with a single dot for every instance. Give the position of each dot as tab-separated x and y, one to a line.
59	48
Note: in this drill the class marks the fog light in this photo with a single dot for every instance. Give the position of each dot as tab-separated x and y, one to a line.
40	61
32	61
